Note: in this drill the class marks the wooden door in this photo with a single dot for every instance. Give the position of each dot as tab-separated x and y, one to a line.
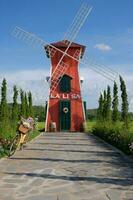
65	115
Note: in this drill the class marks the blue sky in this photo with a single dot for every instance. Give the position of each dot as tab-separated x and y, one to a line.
107	33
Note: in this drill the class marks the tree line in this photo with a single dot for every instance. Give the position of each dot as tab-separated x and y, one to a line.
108	110
10	117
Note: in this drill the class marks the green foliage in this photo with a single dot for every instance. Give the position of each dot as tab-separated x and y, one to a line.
100	108
9	114
3	106
108	105
91	114
104	105
31	112
4	118
22	107
39	112
33	134
15	108
26	106
104	109
124	107
113	131
115	103
114	134
40	125
90	125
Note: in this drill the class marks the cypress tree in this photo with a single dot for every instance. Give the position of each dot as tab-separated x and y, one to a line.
26	105
104	104
4	107
115	103
15	105
124	107
100	108
22	107
30	104
108	105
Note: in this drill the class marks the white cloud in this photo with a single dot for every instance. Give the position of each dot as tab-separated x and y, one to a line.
102	47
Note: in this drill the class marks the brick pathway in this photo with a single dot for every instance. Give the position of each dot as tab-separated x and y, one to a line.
66	166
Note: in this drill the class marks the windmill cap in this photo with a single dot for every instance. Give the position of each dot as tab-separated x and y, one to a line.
64	44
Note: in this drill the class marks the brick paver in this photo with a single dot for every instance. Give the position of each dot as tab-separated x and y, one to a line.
66	166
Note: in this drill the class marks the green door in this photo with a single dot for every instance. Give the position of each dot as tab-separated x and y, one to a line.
65	115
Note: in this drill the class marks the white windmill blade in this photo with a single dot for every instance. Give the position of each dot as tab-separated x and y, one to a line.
70	35
103	68
100	68
77	22
34	40
76	25
104	74
28	37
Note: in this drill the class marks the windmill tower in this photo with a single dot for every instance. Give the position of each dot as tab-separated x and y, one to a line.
65	105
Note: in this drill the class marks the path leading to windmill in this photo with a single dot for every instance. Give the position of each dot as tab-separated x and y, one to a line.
66	166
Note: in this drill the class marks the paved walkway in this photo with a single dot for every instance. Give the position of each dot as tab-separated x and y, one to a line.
66	166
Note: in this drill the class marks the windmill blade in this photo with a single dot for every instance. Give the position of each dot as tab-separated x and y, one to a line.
28	37
105	75
76	26
34	40
77	22
100	68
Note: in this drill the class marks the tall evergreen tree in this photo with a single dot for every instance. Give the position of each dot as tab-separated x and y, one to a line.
30	104
115	103
100	108
22	107
26	105
104	104
15	105
4	117
108	105
125	105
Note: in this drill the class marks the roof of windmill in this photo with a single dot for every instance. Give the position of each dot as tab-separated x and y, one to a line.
65	43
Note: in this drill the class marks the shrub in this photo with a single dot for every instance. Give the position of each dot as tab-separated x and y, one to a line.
116	135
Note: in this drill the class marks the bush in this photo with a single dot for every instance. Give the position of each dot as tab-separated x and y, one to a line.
116	135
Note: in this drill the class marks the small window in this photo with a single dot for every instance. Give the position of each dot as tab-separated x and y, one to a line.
65	84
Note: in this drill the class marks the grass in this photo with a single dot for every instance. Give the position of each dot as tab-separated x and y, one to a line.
90	125
40	125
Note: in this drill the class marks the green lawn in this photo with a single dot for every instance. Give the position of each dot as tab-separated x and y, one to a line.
40	125
90	125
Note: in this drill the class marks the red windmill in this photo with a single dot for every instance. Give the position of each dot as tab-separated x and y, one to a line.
65	105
